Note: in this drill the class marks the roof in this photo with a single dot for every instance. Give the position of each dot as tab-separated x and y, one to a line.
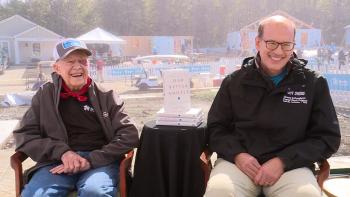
99	35
38	33
19	27
299	24
14	25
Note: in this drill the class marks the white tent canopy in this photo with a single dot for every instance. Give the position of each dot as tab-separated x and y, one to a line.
100	36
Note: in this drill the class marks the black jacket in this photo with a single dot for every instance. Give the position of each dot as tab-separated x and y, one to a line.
43	137
295	121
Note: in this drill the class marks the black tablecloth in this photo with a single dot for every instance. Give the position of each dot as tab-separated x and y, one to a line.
167	162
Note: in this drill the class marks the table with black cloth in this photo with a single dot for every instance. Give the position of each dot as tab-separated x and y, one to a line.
168	162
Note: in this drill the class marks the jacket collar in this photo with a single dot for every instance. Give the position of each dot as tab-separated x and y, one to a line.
256	77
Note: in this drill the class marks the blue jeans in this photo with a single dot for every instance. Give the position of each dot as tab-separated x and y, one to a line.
100	181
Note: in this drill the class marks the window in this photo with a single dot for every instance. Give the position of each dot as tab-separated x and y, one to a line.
36	49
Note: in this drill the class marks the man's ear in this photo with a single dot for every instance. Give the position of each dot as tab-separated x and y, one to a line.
55	67
257	43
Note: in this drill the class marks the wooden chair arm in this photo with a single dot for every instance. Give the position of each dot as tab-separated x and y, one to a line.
323	173
206	164
16	164
18	158
124	167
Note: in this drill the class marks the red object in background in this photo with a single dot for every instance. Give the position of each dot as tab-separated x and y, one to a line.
100	64
154	62
217	82
222	70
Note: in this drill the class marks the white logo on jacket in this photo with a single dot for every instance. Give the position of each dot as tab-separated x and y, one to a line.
295	97
88	108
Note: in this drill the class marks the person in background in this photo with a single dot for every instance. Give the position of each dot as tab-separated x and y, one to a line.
110	56
319	57
75	131
300	53
271	121
100	64
341	59
41	79
329	54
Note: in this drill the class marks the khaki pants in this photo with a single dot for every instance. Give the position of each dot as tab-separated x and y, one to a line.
227	180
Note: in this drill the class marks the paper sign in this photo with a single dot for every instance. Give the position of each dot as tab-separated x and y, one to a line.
176	91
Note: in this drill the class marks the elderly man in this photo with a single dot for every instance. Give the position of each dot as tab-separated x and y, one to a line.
76	131
270	121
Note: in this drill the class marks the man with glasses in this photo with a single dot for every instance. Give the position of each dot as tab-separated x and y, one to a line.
75	130
271	121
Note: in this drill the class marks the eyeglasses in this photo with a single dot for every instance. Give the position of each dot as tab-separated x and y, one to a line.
286	46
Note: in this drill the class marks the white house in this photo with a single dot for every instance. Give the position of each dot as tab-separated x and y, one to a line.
25	40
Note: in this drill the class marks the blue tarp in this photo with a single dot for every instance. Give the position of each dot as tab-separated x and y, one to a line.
126	71
136	70
338	81
163	45
312	38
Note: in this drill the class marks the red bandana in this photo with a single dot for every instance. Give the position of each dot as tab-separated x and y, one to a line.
78	95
